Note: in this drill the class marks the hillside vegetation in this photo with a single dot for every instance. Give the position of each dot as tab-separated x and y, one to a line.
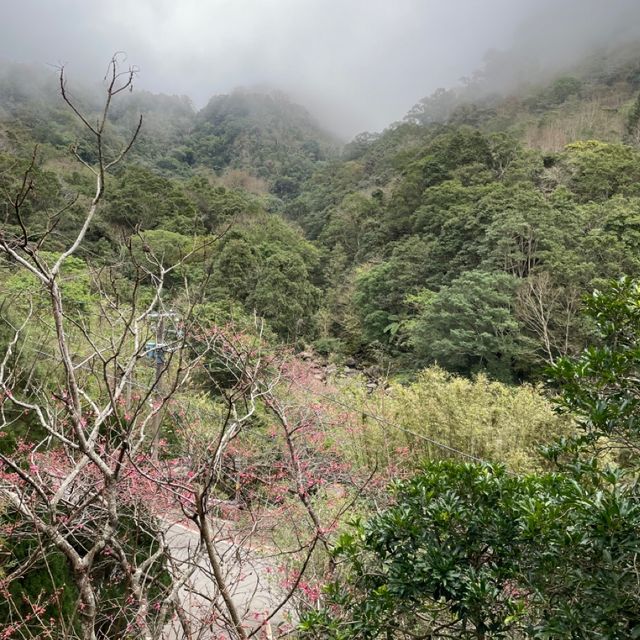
394	381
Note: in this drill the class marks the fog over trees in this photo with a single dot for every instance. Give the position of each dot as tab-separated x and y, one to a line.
320	320
358	65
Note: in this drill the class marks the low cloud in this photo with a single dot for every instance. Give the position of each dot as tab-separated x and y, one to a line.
359	64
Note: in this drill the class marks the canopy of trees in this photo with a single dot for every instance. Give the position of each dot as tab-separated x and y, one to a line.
222	322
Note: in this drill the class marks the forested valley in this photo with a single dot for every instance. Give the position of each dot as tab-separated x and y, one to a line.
260	382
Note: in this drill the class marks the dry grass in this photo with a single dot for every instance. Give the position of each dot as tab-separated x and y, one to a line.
599	117
241	179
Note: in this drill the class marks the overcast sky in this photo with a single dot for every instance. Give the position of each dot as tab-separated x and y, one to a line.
360	64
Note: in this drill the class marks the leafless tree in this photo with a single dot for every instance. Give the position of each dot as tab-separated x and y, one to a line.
93	487
549	311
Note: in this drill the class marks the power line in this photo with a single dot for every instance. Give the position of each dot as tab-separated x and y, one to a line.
394	425
361	411
333	400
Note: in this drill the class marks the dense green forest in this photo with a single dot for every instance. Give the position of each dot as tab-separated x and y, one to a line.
449	308
496	216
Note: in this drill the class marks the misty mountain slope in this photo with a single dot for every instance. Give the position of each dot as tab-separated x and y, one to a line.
590	98
269	141
476	208
263	133
233	325
593	98
166	121
479	198
32	111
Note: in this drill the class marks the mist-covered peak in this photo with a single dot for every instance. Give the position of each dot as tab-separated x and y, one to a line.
262	131
265	108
